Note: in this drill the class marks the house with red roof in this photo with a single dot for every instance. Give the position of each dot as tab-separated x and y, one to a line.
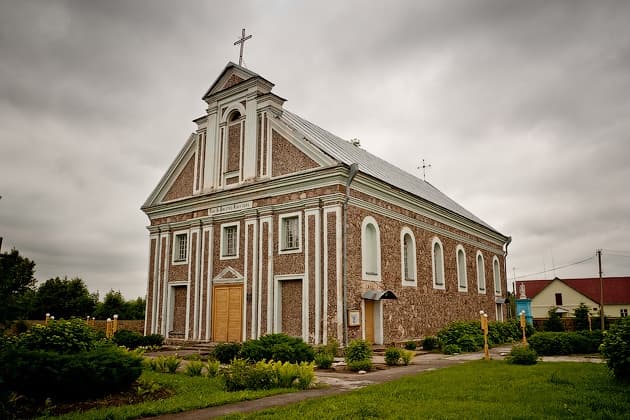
567	294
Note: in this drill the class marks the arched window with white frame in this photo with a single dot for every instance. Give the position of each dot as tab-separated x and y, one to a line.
462	280
496	274
370	249
437	254
408	258
481	273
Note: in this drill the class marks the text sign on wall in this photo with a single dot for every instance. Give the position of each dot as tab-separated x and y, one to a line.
231	207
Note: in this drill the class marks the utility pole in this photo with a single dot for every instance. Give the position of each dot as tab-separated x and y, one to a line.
601	289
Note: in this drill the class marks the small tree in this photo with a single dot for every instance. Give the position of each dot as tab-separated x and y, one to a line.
553	323
64	298
581	317
616	349
16	280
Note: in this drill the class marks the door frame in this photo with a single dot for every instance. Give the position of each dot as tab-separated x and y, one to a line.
378	320
170	305
277	302
213	308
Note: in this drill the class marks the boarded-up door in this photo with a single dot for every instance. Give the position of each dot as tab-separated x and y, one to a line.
369	320
178	329
227	313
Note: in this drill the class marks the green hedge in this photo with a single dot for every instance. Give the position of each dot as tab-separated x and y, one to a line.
468	335
47	374
559	343
132	339
278	347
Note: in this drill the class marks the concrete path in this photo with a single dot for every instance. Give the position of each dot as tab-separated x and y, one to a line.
339	382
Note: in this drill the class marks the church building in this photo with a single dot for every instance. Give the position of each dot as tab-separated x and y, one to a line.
267	223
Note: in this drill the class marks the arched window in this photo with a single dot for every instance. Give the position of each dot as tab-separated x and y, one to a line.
462	281
370	249
481	273
496	274
408	257
438	264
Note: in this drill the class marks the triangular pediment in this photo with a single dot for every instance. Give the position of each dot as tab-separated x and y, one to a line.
164	188
232	75
228	274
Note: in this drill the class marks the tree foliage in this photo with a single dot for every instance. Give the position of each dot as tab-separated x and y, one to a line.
16	282
553	323
64	298
581	317
115	304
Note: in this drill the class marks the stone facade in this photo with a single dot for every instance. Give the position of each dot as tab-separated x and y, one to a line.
290	192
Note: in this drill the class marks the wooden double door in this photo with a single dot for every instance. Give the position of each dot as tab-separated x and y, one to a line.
227	313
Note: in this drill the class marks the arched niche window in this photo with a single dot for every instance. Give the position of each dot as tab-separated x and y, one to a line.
370	249
462	280
438	264
408	257
481	273
496	274
234	115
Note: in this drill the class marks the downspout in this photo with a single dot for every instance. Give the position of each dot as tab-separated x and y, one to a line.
505	254
354	168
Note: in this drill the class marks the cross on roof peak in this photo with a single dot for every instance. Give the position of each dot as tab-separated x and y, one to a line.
241	41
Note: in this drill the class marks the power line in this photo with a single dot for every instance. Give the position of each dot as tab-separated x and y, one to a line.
557	268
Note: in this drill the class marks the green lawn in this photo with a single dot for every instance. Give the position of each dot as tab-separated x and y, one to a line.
478	390
190	393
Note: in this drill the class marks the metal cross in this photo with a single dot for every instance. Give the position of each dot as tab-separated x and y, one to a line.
241	41
424	170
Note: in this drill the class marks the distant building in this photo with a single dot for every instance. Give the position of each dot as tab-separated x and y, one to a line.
248	226
567	294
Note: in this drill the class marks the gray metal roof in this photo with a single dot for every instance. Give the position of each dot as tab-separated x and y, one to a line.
345	152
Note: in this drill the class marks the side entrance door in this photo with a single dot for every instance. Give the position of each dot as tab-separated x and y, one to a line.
227	313
369	320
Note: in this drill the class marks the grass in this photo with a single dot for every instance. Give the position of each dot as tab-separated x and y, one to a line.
189	393
477	390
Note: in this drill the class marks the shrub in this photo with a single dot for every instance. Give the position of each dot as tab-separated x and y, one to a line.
46	374
359	355
410	345
454	331
306	374
581	317
241	375
469	342
171	363
392	356
235	376
553	322
451	349
65	337
213	368
616	349
153	340
558	343
323	359
430	342
332	346
406	356
194	368
129	339
278	347
522	355
226	352
286	373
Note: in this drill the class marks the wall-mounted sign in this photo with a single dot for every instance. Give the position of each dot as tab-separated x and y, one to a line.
354	318
231	207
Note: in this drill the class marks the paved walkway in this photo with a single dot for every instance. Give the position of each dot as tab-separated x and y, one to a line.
344	382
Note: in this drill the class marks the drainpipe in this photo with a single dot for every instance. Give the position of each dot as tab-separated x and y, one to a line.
354	168
505	254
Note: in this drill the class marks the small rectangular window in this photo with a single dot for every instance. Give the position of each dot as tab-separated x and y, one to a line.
623	312
558	299
229	241
290	233
180	251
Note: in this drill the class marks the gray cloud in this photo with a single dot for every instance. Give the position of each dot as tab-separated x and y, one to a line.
520	107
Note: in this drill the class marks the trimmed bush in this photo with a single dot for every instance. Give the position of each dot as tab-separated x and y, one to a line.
129	339
451	349
469	336
559	343
616	349
323	359
226	352
65	337
46	374
392	356
410	345
469	342
241	375
359	355
522	355
278	347
430	342
406	356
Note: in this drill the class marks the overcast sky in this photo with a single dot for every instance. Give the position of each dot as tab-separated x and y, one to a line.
521	107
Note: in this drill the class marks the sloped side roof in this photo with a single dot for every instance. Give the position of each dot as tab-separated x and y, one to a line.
616	289
345	152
